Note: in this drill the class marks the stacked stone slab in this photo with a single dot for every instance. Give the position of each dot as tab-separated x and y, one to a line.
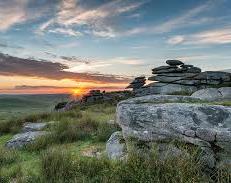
137	83
179	78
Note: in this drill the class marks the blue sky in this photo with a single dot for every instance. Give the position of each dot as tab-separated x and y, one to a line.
118	37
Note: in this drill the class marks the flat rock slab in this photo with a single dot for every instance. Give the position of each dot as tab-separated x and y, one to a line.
165	89
22	139
29	127
214	94
214	75
174	62
175	80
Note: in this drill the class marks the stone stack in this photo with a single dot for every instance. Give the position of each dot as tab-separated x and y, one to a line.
179	78
137	83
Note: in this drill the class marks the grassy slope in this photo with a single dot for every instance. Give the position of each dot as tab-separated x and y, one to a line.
12	106
58	157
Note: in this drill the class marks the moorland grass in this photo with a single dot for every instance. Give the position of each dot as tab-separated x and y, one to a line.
7	156
58	165
82	123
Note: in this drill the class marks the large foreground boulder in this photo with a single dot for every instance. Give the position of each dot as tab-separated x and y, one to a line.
163	119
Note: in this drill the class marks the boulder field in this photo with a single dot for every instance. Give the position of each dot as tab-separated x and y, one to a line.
162	119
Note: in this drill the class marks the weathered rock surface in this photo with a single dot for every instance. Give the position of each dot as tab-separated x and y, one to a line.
165	88
29	127
214	94
115	147
22	139
159	119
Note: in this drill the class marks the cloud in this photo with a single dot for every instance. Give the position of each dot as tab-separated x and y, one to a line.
76	60
50	54
90	20
186	19
227	70
12	12
6	45
22	89
217	36
69	32
14	66
127	61
29	87
3	45
84	65
194	58
176	40
189	18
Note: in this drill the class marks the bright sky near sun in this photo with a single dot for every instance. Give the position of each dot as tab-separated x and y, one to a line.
55	46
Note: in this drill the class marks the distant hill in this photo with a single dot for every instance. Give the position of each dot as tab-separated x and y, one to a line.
19	105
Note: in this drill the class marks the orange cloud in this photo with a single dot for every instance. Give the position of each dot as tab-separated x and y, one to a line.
14	66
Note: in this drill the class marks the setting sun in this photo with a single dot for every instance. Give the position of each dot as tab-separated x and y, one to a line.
78	91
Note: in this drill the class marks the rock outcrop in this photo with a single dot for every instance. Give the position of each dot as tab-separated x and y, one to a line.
214	94
94	96
30	132
163	119
179	78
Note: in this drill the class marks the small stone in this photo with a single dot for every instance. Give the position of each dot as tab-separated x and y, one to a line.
115	147
174	62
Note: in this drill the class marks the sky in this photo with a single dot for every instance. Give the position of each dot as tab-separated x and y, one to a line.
63	46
